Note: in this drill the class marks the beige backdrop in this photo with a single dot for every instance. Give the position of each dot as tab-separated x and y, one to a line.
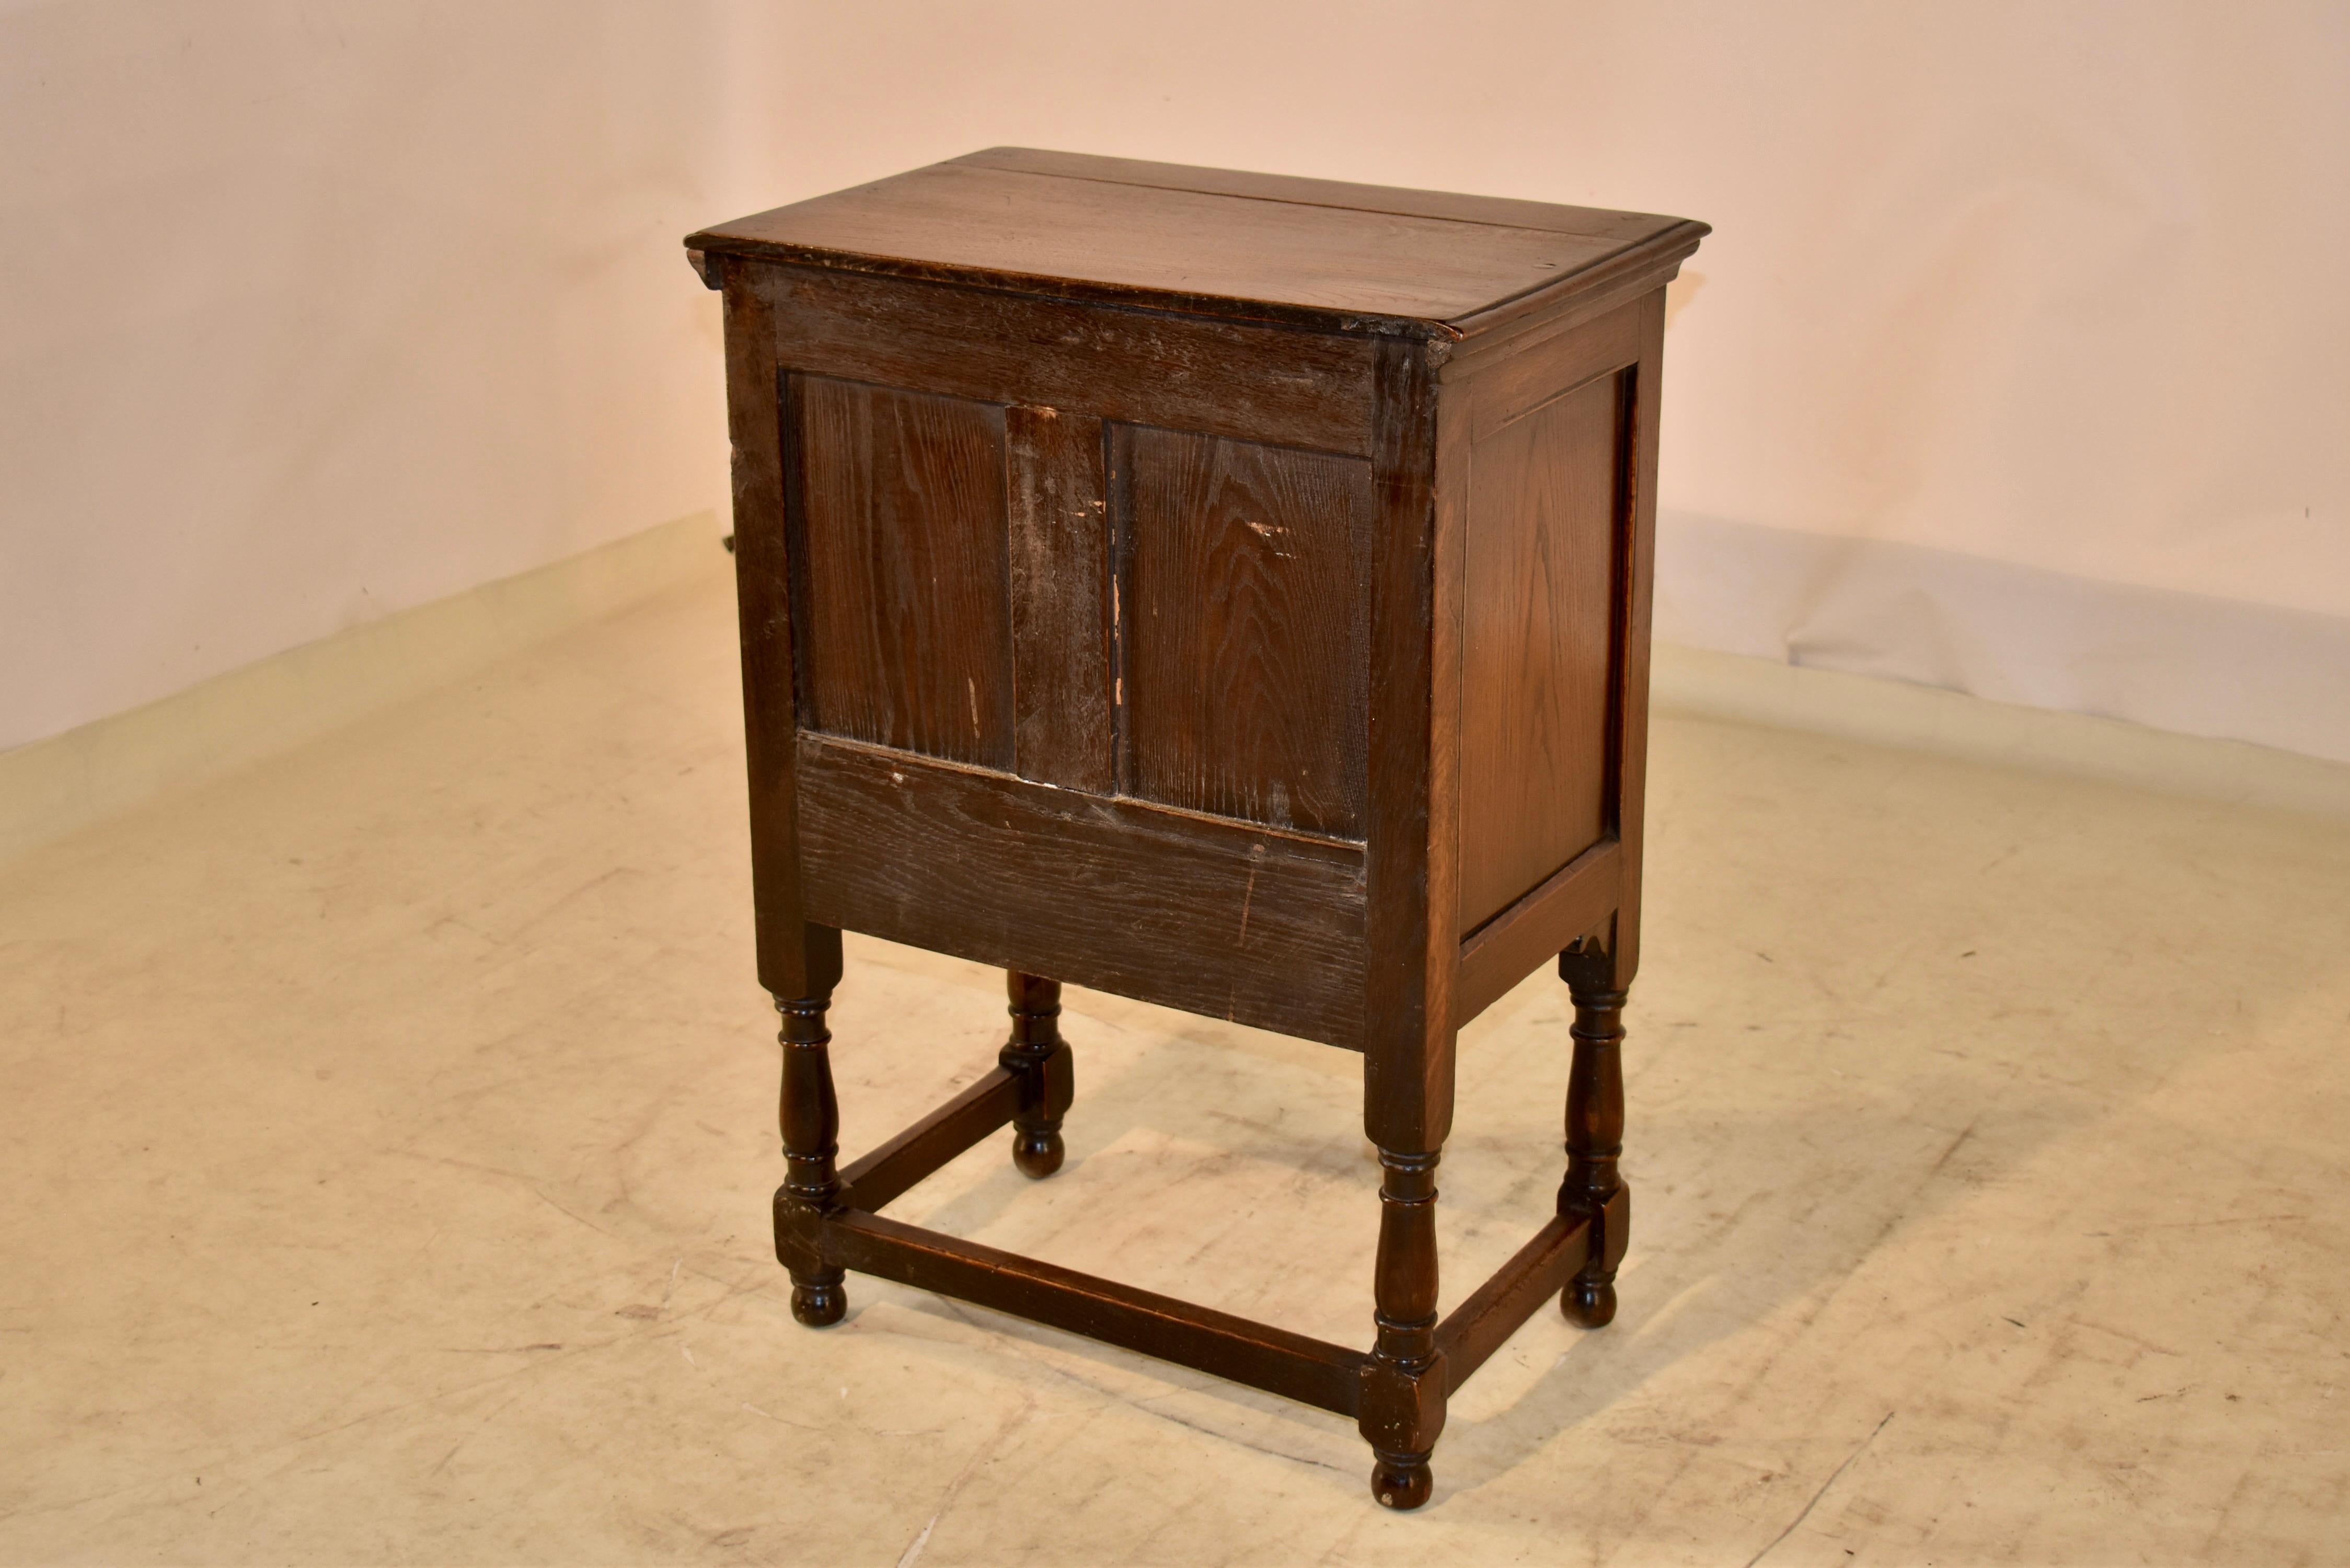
2016	364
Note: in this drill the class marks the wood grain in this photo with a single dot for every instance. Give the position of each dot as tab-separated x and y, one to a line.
1189	249
1545	526
1185	910
1243	626
905	597
1222	377
1062	635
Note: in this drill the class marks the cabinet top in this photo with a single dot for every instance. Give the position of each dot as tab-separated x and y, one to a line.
1215	242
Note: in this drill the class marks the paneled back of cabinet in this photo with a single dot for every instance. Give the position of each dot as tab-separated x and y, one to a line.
1106	593
1065	575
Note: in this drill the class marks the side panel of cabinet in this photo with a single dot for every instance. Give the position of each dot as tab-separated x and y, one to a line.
1242	608
1542	579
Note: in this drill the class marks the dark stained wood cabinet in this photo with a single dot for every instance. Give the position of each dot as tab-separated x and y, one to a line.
1226	590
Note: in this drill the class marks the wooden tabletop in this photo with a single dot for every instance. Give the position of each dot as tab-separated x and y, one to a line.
1318	252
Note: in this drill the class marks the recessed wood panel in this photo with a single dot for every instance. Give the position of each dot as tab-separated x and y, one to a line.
1242	617
1540	591
902	596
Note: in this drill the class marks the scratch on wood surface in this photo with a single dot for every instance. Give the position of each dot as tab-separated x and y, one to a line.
1270	535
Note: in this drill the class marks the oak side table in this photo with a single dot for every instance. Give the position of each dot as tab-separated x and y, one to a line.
1225	590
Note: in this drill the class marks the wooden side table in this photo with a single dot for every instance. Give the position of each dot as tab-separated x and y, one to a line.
1225	590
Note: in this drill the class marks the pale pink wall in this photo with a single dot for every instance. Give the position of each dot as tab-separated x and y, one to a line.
311	312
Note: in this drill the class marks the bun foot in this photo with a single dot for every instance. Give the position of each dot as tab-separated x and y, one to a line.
1589	1303
1401	1481
1037	1153
819	1305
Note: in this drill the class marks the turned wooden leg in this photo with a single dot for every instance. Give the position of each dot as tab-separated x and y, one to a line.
1403	1388
810	1119
1594	1132
1040	1058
